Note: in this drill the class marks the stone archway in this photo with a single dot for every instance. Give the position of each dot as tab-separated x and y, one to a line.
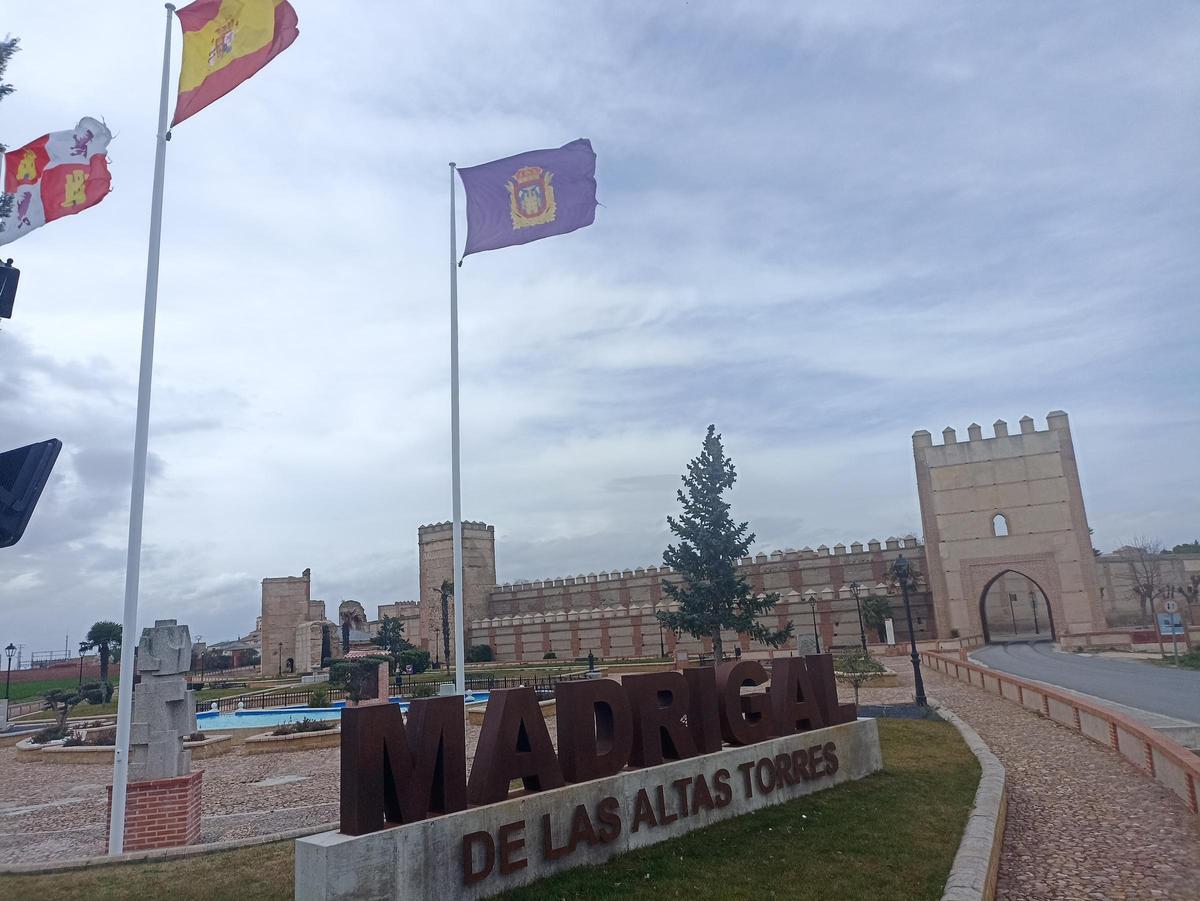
979	574
1020	627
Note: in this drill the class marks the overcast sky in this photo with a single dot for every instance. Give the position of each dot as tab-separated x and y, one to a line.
824	226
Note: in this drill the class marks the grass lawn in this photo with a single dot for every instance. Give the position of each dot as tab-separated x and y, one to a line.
110	709
889	836
23	691
1186	660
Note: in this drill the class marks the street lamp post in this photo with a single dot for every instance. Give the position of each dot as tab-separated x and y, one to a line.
437	640
662	647
811	600
82	651
281	659
1033	607
8	652
856	590
1013	613
902	570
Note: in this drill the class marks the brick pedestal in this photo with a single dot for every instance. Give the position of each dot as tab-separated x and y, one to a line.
160	813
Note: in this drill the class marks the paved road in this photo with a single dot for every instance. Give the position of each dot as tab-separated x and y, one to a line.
1174	693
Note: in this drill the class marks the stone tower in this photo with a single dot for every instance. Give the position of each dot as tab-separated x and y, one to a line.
1006	504
291	624
436	550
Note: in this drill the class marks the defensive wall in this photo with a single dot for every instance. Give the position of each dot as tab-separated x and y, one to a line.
1006	548
612	614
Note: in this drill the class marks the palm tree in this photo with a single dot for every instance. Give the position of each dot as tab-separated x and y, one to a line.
105	637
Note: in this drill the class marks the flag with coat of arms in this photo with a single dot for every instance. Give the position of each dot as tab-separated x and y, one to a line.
529	196
57	175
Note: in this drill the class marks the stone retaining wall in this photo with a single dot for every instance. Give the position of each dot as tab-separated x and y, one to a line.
1163	759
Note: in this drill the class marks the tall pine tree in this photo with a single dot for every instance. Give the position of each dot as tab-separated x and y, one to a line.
8	47
711	594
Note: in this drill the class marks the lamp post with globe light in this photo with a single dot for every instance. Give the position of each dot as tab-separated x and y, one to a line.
8	652
903	573
811	600
856	590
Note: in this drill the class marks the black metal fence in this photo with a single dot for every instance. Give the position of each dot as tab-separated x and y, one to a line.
543	687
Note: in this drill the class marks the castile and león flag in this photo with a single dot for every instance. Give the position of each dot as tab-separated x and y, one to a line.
57	175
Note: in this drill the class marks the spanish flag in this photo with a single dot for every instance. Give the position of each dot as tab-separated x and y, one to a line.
224	43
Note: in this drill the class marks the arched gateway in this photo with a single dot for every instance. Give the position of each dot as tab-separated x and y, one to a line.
1014	607
1009	508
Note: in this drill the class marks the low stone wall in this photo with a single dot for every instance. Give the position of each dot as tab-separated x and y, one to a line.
59	754
212	746
484	850
301	741
1164	760
976	865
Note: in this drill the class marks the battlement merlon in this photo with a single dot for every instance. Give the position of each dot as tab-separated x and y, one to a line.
1056	421
908	542
445	529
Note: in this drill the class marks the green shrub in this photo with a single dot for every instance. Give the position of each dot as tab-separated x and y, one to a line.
414	657
480	653
319	697
549	655
357	676
106	739
859	667
423	690
50	733
306	725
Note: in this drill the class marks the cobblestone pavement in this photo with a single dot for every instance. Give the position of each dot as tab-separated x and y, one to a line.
1082	822
57	811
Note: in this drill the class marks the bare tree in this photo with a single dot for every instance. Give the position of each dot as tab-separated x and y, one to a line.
1148	581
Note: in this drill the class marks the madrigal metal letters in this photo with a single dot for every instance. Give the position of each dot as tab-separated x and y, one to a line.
395	772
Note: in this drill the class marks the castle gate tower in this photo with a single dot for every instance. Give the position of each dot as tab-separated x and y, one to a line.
436	557
1005	511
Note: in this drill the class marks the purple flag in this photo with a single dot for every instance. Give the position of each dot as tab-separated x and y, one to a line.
529	196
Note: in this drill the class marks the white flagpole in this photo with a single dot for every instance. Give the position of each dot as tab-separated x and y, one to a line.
133	560
460	675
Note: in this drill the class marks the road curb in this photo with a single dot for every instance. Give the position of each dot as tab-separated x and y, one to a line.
977	863
82	863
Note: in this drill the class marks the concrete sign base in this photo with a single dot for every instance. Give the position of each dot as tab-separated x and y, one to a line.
485	850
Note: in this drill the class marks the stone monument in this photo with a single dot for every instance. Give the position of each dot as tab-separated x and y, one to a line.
164	711
163	799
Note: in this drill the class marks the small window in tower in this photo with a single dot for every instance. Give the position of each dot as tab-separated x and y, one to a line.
1000	525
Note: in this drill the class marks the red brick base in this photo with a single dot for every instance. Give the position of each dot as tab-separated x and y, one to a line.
160	813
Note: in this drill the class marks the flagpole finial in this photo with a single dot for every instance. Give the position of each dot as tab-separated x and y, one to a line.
170	6
452	165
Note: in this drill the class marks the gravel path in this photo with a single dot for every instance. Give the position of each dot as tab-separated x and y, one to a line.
1082	822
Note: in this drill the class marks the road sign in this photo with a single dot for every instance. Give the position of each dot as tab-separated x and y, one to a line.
1170	624
1171	606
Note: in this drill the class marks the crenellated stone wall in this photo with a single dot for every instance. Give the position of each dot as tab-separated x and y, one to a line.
613	614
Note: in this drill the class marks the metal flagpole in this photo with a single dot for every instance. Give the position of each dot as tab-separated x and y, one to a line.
460	675
133	561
